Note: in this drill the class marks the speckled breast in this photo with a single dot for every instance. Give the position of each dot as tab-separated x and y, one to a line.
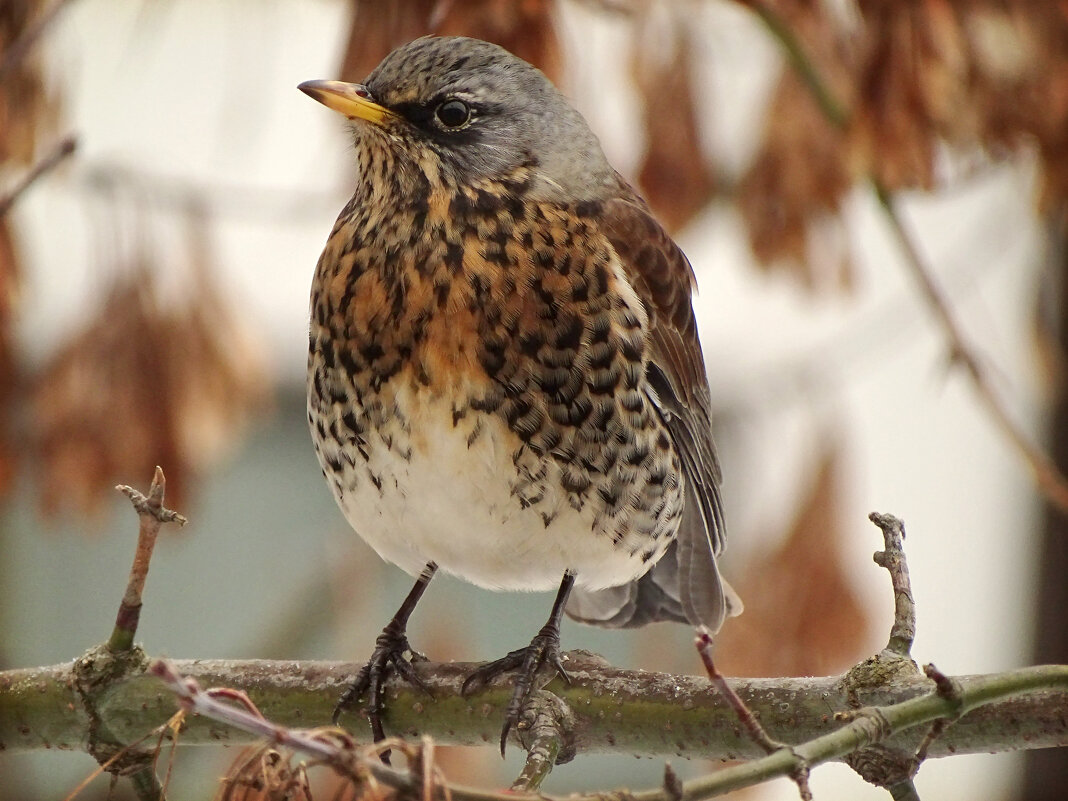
477	395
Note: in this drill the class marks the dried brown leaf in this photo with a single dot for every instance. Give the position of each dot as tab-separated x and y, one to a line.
802	615
674	176
525	27
144	383
796	183
892	131
27	112
263	773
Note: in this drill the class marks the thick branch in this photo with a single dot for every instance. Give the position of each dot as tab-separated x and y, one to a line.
615	711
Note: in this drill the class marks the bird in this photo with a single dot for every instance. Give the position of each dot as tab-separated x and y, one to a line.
505	380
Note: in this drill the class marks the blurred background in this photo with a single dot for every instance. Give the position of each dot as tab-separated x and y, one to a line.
153	301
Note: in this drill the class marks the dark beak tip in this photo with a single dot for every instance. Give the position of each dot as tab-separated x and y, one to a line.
309	88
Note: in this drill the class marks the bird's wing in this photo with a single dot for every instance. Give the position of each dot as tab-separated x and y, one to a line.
685	584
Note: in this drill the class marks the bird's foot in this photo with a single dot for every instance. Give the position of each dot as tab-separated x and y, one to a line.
544	649
392	653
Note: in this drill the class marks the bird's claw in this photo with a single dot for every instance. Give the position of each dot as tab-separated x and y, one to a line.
392	653
544	649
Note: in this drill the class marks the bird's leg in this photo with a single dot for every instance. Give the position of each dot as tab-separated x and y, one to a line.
390	653
544	648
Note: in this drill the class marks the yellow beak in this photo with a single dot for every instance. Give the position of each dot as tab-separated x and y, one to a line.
350	99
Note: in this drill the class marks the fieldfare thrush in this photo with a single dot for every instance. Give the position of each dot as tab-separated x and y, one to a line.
504	375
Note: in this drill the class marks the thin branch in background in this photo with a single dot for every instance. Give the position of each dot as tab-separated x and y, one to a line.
64	148
22	46
152	515
757	734
1050	481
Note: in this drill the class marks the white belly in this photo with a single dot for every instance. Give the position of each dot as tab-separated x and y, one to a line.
447	492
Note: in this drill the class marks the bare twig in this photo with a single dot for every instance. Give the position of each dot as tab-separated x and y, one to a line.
892	558
64	148
1050	481
950	690
703	641
22	46
152	514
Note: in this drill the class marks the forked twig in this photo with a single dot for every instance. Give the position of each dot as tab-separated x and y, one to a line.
152	514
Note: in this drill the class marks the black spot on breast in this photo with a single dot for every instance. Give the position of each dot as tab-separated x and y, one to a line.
487	202
633	401
544	295
371	351
600	277
492	356
571	414
553	379
460	205
454	257
574	481
569	333
348	419
604	379
441	292
580	290
631	348
637	454
530	343
375	479
548	439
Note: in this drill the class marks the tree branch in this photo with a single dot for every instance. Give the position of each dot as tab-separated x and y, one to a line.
615	711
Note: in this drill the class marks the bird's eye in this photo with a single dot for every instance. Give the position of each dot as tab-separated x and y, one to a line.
453	113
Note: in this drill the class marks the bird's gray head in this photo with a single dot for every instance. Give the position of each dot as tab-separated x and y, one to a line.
482	110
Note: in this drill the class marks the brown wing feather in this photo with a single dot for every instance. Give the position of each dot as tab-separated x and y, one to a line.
688	585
